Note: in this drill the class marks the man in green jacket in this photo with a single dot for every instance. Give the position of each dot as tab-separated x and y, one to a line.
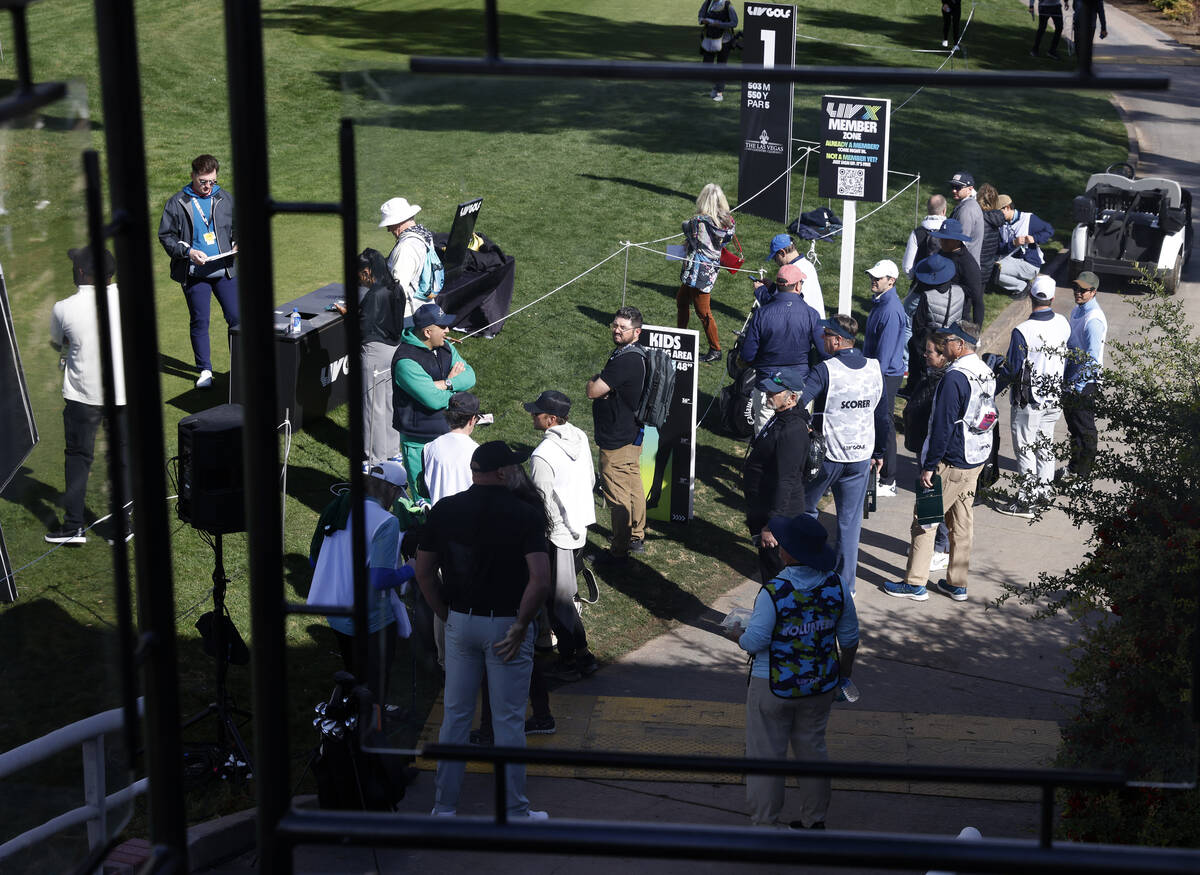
426	371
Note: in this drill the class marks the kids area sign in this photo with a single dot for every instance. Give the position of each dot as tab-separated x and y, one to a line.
764	183
855	134
668	457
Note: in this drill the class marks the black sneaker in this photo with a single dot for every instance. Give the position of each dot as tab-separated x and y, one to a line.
799	824
66	535
1016	508
563	670
540	725
713	355
587	664
637	545
1053	56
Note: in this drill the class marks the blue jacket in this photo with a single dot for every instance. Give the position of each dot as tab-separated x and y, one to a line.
1039	229
781	334
884	336
945	437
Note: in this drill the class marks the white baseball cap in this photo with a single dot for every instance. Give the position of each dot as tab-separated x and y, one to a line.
882	268
1043	288
396	211
390	471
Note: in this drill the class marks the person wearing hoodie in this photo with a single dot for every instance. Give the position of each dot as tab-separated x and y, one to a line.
561	469
426	373
196	230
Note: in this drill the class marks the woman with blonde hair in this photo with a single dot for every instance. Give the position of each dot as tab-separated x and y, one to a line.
705	234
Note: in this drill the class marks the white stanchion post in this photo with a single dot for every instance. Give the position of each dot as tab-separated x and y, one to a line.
846	280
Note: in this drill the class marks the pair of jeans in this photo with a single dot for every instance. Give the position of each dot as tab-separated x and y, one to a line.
80	424
199	291
470	640
848	481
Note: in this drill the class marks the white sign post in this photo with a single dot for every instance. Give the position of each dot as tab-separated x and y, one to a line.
846	278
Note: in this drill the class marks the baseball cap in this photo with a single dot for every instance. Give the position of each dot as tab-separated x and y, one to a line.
390	470
552	402
789	274
432	314
495	455
962	178
882	268
832	325
785	381
1042	288
1087	280
956	330
1002	201
778	243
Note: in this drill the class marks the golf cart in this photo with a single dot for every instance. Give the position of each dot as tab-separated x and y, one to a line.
1127	227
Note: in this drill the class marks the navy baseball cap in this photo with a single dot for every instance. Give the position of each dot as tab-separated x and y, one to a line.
432	314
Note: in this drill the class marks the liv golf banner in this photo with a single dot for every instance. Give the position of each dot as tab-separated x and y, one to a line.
669	454
769	40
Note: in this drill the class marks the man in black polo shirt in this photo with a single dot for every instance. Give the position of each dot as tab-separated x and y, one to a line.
491	548
615	392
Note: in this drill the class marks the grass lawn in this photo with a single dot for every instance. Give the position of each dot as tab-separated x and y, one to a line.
568	171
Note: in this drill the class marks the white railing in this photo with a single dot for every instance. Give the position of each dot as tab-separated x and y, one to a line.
89	735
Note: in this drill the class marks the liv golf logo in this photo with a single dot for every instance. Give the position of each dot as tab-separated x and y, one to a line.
763	143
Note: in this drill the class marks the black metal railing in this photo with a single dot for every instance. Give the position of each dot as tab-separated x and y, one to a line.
28	95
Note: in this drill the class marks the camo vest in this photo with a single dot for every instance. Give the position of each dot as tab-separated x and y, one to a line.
803	648
849	425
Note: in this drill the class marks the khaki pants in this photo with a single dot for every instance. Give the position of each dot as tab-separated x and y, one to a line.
621	480
771	722
958	498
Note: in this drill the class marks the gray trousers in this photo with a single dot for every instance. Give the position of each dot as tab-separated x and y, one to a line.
380	440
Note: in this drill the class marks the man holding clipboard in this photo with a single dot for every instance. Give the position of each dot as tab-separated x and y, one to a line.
959	442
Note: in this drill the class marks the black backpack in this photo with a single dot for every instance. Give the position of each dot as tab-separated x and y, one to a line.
737	404
654	405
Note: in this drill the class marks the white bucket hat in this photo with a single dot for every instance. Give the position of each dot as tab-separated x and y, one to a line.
396	211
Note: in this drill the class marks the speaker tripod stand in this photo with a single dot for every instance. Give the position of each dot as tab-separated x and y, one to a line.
232	758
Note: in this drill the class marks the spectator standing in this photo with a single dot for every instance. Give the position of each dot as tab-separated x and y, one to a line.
779	337
951	18
427	371
490	546
968	212
846	388
952	237
921	243
939	304
705	234
783	251
883	341
75	331
718	20
773	473
1034	368
381	321
916	428
615	393
1047	10
803	636
1085	363
413	245
561	469
1020	252
959	442
447	459
197	231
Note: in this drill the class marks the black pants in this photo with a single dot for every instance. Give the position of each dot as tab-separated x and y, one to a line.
80	424
720	57
1079	411
769	562
890	386
1044	15
953	17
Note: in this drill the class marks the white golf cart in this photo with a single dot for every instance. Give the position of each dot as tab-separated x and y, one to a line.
1128	227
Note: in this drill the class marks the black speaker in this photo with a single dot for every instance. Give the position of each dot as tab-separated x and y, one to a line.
211	491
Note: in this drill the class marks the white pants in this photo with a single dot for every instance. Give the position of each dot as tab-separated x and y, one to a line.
1033	447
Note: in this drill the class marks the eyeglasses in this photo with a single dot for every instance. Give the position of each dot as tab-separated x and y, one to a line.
620	328
957	187
212	181
1083	289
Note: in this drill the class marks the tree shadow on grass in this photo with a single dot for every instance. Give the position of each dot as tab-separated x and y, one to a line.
645	186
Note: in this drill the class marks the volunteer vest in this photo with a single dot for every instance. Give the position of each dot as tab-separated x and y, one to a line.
977	447
803	648
333	578
1021	228
849	420
1045	357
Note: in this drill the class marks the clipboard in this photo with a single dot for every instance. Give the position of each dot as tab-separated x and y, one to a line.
929	510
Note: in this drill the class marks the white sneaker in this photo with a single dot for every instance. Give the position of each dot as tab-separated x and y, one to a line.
718	96
939	562
945	44
205	380
436	813
538	815
885	490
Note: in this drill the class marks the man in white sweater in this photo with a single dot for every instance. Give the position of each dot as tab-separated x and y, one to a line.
561	468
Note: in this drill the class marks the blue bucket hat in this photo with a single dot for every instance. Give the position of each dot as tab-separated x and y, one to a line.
805	541
951	229
935	269
778	243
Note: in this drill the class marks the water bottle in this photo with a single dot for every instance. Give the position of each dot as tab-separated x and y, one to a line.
294	328
847	692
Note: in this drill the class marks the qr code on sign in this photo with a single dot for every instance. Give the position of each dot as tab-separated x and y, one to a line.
851	182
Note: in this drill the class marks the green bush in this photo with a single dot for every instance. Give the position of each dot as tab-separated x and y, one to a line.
1179	10
1135	594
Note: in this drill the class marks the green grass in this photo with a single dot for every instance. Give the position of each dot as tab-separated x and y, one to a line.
568	170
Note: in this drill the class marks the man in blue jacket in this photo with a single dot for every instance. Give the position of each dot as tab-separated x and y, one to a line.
1020	254
426	371
959	442
883	340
